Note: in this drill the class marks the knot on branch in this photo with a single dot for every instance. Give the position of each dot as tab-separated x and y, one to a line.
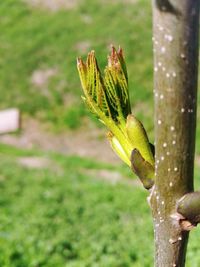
188	208
166	6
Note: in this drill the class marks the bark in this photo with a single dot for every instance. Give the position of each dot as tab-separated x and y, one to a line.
175	37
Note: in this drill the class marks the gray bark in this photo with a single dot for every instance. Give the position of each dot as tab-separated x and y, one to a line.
175	38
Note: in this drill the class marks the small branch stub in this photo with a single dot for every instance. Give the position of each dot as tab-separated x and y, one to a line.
175	46
189	207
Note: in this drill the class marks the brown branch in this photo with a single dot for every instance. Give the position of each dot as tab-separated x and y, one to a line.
175	80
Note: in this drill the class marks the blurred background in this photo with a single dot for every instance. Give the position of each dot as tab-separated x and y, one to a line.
65	198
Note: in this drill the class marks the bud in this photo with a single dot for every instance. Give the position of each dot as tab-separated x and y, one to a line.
108	98
138	138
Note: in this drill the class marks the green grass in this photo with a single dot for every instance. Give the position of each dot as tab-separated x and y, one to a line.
33	39
59	216
36	39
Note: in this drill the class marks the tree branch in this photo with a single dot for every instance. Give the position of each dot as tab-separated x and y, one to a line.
175	80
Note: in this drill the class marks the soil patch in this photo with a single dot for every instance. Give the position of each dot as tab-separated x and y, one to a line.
34	162
53	5
112	177
86	142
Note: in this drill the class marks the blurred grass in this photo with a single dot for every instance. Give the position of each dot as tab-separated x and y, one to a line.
66	218
56	215
34	39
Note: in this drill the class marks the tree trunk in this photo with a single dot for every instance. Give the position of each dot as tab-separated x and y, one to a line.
175	30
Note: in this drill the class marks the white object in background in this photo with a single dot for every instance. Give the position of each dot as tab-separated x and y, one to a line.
9	120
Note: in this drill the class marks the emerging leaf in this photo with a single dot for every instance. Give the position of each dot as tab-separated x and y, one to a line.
108	97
